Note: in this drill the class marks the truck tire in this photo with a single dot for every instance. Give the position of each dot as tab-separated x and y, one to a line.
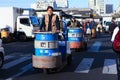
85	45
22	37
1	60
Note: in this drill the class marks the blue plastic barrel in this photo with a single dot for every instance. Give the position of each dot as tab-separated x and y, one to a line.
46	44
75	34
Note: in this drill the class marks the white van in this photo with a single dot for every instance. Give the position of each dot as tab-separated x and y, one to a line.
106	26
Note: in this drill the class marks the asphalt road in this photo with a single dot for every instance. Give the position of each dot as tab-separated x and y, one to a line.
98	62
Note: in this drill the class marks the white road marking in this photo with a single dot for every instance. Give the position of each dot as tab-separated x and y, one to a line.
84	65
15	62
8	57
110	66
9	79
23	70
95	47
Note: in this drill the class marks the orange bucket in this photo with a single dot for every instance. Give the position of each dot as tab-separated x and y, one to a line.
75	45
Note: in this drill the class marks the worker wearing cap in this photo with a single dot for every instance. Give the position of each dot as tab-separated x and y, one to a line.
73	23
50	21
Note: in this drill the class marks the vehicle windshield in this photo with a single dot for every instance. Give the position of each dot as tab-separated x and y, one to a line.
25	21
34	20
108	23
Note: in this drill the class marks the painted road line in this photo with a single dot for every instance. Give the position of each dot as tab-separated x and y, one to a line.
15	62
23	70
84	65
9	79
95	47
8	57
110	66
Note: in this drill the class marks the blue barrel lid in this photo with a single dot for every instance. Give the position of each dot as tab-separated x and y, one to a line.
46	36
77	30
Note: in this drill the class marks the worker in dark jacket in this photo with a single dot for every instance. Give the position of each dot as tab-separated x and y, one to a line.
50	21
112	26
73	23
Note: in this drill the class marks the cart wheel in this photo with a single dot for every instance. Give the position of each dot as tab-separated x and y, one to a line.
73	50
46	71
85	47
69	59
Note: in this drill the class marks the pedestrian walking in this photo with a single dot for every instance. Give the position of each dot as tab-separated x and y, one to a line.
112	27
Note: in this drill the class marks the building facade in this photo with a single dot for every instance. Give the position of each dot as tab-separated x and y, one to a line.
98	6
56	4
109	8
118	9
43	4
62	3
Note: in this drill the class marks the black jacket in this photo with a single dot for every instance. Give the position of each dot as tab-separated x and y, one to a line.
112	26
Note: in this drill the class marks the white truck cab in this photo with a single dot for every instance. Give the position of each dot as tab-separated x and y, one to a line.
26	26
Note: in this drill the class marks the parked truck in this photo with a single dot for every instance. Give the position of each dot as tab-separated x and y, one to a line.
106	21
18	25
